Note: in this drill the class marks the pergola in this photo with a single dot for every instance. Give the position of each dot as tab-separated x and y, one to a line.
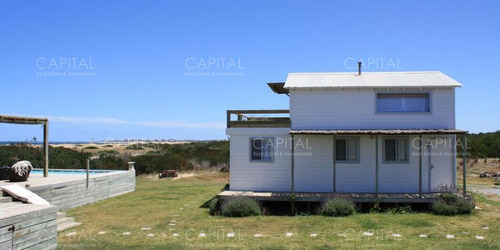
33	121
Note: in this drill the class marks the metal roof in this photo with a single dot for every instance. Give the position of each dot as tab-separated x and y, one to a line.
370	80
375	131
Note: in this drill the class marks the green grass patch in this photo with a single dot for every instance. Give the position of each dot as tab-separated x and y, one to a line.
173	206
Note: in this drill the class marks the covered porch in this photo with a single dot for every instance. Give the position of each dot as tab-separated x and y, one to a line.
321	176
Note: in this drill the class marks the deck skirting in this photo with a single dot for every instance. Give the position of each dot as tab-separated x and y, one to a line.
320	197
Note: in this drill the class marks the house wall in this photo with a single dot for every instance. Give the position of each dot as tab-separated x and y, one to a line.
314	165
255	175
356	109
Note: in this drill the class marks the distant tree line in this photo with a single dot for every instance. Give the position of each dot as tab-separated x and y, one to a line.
483	145
188	156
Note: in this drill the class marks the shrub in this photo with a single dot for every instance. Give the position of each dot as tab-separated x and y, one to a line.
451	204
214	207
240	207
338	207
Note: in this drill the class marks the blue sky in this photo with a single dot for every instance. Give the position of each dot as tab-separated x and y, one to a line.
136	62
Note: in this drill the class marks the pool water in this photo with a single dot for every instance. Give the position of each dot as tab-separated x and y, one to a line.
70	171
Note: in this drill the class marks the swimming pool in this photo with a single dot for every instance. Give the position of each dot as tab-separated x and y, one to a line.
71	171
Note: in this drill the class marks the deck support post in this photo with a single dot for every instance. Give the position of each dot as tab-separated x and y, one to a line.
334	167
46	149
420	165
376	165
292	180
464	161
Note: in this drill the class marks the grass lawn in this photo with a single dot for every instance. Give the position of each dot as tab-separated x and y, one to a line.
173	206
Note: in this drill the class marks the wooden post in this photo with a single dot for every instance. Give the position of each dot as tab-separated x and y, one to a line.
464	156
46	148
419	165
334	167
376	165
88	172
292	183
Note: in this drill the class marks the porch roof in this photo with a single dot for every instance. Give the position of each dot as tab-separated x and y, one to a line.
375	131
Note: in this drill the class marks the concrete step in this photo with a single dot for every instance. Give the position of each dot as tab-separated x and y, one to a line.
65	226
61	215
5	199
63	220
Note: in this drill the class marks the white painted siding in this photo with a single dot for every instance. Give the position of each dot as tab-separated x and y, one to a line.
356	109
313	163
259	176
358	177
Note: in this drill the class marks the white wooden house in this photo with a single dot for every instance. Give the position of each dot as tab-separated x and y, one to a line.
373	135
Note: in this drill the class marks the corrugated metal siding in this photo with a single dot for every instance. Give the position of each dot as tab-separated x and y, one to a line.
369	80
356	109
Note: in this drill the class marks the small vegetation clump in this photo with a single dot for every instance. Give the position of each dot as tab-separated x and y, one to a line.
240	207
214	207
338	207
451	204
91	147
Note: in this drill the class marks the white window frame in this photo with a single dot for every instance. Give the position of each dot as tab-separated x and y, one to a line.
358	151
271	149
397	139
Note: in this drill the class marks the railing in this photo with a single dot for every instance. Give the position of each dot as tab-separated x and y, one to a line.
258	118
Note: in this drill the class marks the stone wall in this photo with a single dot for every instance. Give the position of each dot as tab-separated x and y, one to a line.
26	226
70	194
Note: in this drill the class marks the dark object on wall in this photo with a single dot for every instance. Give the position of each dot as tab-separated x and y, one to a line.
5	173
20	171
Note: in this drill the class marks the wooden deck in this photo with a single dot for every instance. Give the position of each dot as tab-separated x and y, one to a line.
319	197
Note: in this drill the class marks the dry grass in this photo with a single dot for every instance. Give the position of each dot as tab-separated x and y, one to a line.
157	203
476	166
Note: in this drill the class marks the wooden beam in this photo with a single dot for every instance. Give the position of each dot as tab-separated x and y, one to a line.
292	173
376	165
334	167
46	149
464	156
22	120
420	165
292	180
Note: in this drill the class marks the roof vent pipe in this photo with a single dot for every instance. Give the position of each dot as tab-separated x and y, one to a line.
359	68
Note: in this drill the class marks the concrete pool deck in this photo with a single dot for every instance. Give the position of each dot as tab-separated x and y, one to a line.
24	226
